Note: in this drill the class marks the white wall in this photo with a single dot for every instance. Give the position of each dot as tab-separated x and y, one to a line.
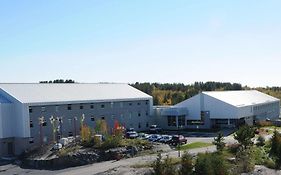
6	115
194	107
219	109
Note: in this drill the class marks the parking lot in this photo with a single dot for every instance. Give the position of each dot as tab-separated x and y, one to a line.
183	137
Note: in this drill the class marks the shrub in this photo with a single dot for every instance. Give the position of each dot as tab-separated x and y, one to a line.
233	148
211	164
111	142
264	123
165	167
186	164
260	141
218	141
245	161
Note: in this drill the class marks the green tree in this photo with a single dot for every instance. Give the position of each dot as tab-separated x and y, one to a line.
186	164
275	150
244	136
218	141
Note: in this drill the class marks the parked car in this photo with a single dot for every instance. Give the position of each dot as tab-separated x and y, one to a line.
64	141
177	139
132	135
165	139
154	129
143	136
57	146
154	137
130	130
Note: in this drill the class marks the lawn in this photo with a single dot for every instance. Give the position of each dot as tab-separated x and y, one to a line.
195	145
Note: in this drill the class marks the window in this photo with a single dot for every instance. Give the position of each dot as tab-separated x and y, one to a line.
57	108
139	103
146	102
81	106
70	134
181	120
43	109
146	113
139	114
69	107
130	104
31	140
111	105
92	106
147	124
30	110
103	118
139	125
92	118
31	124
172	121
130	115
102	106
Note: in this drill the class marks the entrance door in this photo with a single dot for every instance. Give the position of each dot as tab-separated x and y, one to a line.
10	148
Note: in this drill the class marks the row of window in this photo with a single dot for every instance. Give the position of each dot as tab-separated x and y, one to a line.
102	106
44	122
266	106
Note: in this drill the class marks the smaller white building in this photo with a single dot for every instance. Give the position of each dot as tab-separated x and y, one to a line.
219	109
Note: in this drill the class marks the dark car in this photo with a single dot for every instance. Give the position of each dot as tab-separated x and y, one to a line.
178	139
154	129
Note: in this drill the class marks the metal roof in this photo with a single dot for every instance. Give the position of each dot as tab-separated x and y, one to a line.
242	98
52	93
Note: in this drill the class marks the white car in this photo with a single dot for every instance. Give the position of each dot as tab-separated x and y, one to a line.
165	139
143	136
154	138
57	146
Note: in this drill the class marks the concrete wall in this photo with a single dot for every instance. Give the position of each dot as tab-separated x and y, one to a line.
127	113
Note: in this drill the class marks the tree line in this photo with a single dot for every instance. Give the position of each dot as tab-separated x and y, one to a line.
58	81
173	93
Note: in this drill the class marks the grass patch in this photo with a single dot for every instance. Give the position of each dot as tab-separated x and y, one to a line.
194	145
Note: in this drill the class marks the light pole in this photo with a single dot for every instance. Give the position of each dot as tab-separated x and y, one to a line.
74	124
52	120
41	121
179	151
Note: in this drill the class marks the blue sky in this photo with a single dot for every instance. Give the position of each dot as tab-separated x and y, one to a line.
141	40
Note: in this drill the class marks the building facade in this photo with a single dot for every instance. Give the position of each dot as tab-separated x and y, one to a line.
26	111
219	109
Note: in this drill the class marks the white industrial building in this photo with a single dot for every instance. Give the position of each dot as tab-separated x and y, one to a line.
219	109
22	106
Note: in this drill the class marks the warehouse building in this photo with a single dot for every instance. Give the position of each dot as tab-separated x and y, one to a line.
219	109
27	111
